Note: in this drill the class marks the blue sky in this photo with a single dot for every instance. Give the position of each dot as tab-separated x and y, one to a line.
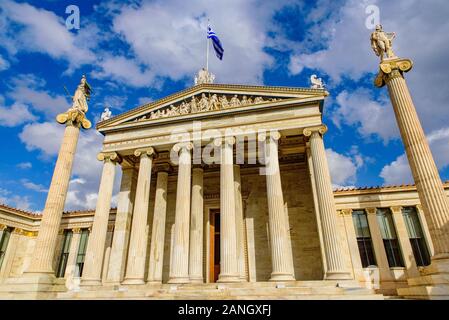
138	51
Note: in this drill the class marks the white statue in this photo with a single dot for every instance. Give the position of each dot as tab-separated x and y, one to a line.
224	102
382	43
81	96
204	76
107	114
235	102
204	103
258	100
316	83
213	103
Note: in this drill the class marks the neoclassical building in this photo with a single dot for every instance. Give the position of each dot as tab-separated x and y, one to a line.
225	192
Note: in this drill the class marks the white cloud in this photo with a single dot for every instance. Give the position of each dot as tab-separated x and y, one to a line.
398	172
371	118
342	168
25	165
15	201
41	31
15	115
33	186
3	64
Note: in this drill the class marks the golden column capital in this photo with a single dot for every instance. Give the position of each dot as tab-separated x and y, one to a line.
389	69
396	209
74	117
3	227
371	210
76	230
320	129
109	156
346	212
145	152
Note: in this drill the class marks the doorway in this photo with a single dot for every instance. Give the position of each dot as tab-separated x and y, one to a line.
214	238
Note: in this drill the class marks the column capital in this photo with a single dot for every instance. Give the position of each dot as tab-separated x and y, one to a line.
76	230
419	208
320	129
371	210
145	152
346	212
224	140
390	69
3	227
272	135
74	117
109	156
183	146
396	209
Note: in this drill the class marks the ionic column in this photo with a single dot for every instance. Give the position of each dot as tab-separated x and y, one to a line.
328	213
425	173
404	242
158	233
93	262
281	255
135	267
352	243
44	250
196	228
228	234
71	260
120	240
179	264
239	223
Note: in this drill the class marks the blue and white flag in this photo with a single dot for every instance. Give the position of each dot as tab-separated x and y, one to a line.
216	42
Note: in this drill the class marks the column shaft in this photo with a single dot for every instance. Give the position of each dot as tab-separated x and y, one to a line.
228	234
135	268
239	224
119	250
44	250
425	172
196	228
328	214
158	233
93	263
71	260
179	264
281	255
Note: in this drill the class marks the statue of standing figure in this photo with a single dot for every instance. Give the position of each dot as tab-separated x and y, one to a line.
81	96
382	43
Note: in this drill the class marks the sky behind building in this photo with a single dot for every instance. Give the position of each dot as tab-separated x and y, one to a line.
139	51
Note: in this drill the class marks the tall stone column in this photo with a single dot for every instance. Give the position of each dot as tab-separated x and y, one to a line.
120	240
328	213
281	254
44	250
196	228
179	264
93	263
135	268
239	223
352	244
228	234
425	173
158	233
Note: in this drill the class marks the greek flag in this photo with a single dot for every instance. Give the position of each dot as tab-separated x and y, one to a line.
216	42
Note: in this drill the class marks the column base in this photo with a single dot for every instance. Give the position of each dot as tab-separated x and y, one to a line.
90	282
224	278
196	280
281	277
433	284
133	281
179	280
338	275
31	285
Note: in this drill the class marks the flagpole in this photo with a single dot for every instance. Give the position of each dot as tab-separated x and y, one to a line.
207	47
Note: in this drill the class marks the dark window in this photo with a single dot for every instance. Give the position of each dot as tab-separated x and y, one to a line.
64	253
81	252
391	243
5	234
416	235
363	238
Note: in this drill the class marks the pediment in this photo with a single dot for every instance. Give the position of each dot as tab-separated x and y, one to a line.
209	98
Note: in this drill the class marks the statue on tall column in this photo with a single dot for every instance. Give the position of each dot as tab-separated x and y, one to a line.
77	112
382	43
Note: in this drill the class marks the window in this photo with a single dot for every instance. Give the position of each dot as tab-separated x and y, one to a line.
81	252
391	244
416	235
363	238
64	254
4	239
